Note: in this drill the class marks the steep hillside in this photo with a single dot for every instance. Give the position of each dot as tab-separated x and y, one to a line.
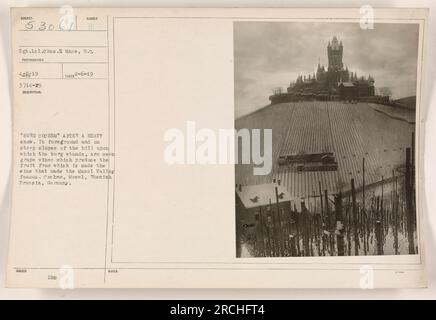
351	131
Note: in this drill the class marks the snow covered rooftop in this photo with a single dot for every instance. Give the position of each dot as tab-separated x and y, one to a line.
347	84
261	194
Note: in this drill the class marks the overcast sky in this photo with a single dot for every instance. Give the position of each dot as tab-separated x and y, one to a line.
271	54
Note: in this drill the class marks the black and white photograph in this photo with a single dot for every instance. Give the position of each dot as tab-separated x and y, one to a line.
340	101
278	151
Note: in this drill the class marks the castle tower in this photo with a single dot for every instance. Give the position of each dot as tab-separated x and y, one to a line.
334	53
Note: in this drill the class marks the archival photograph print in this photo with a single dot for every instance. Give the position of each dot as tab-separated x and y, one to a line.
334	105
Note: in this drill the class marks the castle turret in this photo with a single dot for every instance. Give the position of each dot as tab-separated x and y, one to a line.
320	72
334	54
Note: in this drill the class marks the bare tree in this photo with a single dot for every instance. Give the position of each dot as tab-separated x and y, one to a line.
384	91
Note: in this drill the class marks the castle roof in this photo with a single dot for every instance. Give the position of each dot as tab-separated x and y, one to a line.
335	43
347	84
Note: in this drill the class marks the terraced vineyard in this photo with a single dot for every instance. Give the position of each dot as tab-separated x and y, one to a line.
324	217
351	131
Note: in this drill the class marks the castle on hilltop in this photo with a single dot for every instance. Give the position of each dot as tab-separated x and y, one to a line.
333	83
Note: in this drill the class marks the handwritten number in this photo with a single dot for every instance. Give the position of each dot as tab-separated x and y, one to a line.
42	27
29	25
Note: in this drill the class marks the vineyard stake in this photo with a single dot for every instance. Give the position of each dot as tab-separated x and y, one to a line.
356	235
409	210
